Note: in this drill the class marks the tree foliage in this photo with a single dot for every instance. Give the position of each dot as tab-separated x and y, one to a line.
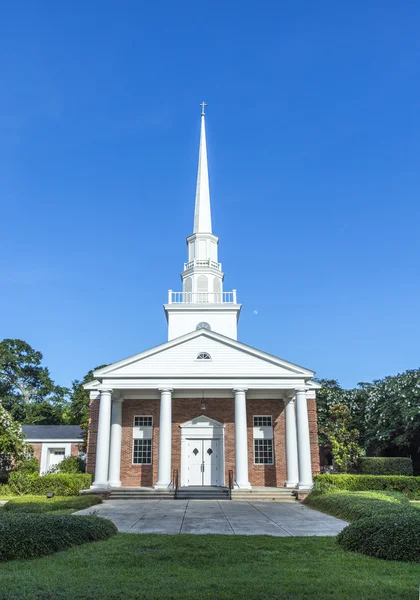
385	412
12	440
26	387
342	438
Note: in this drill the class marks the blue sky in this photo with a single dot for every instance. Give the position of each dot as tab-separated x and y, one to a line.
314	155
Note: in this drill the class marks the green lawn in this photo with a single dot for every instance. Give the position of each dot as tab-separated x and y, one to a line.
216	567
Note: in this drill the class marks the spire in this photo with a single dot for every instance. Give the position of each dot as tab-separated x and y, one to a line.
202	213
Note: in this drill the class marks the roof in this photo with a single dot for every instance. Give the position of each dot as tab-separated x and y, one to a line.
53	432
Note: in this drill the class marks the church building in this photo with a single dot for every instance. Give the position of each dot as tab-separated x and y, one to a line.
202	405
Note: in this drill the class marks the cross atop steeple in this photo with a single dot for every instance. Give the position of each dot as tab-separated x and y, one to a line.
203	106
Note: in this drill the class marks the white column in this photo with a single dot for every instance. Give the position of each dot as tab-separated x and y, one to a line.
304	446
291	444
241	439
165	439
102	442
115	446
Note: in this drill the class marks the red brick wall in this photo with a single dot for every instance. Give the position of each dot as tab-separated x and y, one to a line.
138	475
267	475
184	409
313	435
37	451
92	435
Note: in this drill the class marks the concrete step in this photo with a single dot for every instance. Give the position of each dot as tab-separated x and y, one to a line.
265	495
202	493
141	494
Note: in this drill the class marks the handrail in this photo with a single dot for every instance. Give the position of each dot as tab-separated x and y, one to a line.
202	297
230	484
175	482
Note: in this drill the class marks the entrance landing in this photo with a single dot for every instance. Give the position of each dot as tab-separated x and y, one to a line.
210	516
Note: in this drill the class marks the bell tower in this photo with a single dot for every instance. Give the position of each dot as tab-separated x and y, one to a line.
202	302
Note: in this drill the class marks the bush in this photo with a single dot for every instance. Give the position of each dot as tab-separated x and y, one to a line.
409	486
380	465
62	484
25	536
70	464
5	490
392	537
30	465
40	504
352	506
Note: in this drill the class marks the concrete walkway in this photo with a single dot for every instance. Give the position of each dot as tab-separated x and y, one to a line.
210	516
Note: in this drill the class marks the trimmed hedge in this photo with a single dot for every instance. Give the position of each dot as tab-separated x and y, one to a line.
62	484
25	536
385	525
409	486
40	504
392	537
380	465
352	506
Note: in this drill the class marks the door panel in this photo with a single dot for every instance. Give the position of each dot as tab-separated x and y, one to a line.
195	460
204	462
211	462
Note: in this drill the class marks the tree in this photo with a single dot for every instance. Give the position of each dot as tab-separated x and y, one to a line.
12	440
26	388
392	415
342	438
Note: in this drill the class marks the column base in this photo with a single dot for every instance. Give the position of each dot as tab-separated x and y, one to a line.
115	484
162	486
305	486
243	486
100	486
291	484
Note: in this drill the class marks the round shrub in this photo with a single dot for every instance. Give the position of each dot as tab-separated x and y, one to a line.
26	535
392	537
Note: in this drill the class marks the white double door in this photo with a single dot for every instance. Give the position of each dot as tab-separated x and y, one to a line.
204	466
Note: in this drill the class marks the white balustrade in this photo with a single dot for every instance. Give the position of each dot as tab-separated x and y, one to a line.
201	297
202	263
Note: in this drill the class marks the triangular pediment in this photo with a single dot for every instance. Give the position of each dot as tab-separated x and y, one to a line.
180	356
202	421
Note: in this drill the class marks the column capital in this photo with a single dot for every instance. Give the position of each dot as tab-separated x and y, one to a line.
240	389
166	389
301	389
105	389
118	400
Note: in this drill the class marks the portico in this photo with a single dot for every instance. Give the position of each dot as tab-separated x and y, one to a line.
215	413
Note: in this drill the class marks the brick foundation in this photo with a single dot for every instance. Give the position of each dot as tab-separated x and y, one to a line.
184	409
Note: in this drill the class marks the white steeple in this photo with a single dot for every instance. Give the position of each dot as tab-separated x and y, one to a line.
202	302
202	213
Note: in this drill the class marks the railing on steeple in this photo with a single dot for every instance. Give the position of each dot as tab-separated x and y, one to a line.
202	263
202	297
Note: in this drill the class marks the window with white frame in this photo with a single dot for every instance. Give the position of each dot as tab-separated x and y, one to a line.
263	440
142	439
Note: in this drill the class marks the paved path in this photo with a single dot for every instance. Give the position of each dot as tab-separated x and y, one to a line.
211	516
